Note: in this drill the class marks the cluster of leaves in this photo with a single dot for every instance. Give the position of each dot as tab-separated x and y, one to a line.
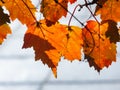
52	40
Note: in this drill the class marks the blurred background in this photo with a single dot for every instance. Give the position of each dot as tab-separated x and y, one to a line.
19	71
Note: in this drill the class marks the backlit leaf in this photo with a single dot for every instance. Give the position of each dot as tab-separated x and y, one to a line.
53	11
37	36
99	51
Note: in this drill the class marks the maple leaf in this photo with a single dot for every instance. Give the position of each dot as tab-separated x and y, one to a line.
53	10
109	10
98	49
4	30
37	37
4	18
24	10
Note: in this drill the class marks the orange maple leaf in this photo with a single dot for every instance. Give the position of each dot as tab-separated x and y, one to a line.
37	36
53	10
110	10
98	49
24	10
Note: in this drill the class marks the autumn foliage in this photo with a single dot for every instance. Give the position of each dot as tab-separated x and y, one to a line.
52	40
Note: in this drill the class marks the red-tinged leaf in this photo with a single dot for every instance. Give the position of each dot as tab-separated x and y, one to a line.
110	10
98	49
21	9
4	30
72	1
53	10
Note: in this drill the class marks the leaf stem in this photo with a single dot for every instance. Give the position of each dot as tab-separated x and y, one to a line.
72	15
